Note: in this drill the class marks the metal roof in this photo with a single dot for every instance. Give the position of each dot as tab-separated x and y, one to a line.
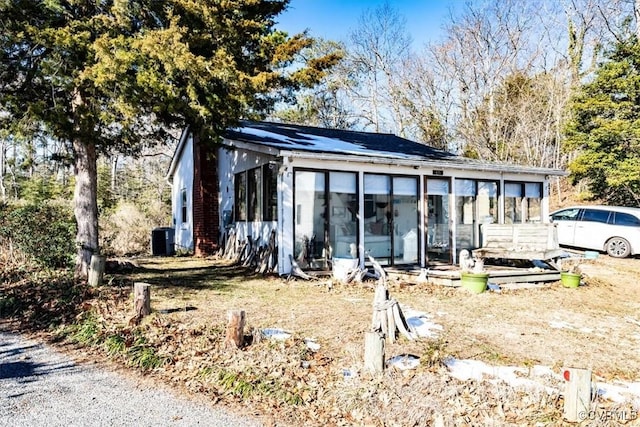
310	141
305	138
336	144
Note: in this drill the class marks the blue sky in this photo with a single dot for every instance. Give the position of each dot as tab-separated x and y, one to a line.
334	19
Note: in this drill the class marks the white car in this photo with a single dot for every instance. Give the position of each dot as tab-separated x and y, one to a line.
612	229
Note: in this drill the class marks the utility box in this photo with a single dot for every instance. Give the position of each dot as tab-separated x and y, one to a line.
162	241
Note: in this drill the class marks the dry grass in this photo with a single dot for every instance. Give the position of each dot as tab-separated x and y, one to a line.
284	383
190	298
511	327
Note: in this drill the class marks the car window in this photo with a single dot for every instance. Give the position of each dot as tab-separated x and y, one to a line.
625	219
595	215
566	215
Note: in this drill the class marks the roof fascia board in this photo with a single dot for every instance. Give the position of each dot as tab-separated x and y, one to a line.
177	154
252	147
430	163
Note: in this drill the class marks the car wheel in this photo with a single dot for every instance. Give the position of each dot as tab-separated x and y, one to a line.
618	247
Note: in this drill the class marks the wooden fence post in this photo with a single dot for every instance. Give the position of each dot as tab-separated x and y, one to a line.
142	299
374	352
235	329
577	394
96	269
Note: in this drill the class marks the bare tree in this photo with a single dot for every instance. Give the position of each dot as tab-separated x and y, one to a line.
325	105
510	67
379	47
426	104
482	46
636	15
496	86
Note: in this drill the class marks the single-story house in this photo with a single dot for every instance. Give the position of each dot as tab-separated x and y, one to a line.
331	194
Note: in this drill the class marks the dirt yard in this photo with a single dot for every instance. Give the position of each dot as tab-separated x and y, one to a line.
596	326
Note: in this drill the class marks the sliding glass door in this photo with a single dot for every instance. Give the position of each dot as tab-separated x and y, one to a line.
391	218
405	220
465	198
326	217
377	217
310	214
487	205
438	236
343	215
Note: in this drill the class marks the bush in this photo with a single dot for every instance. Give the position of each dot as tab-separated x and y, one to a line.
127	231
45	232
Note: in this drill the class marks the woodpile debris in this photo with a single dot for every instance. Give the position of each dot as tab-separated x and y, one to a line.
250	253
296	270
388	321
388	318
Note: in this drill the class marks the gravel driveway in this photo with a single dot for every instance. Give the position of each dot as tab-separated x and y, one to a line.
42	387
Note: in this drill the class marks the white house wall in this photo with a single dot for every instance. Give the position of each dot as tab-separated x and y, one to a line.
231	162
285	217
183	180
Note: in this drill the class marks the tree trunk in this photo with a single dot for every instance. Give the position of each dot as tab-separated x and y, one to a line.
3	160
374	352
85	205
142	299
114	172
235	329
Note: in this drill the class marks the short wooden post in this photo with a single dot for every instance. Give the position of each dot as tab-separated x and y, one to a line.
142	299
577	395
235	329
374	352
96	269
380	299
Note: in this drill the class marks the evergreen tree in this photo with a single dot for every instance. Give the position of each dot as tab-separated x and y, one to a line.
605	129
112	75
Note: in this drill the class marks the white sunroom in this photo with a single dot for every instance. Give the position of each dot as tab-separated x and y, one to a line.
332	194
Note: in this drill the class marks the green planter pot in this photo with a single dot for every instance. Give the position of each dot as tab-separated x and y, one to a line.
475	282
569	280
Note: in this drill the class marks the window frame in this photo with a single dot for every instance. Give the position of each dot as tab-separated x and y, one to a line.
256	194
240	196
270	192
183	206
523	203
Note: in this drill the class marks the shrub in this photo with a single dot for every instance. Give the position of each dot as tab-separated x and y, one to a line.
126	231
44	231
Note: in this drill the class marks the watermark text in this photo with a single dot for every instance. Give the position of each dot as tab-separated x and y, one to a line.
609	415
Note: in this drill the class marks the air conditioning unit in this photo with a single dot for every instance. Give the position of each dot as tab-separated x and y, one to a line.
162	241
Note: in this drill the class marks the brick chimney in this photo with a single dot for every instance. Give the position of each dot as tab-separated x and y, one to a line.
206	218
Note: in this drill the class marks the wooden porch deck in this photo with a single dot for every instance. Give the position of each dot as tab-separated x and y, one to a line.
449	275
